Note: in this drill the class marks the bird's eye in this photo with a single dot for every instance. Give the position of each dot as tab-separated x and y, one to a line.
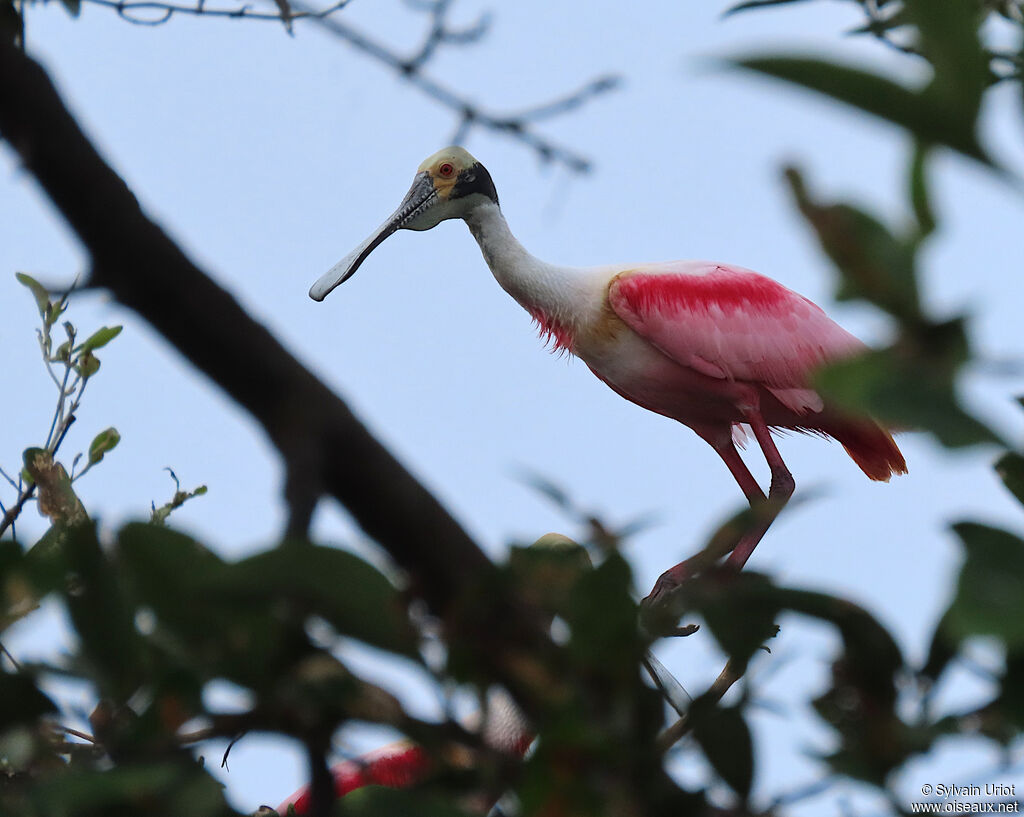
446	170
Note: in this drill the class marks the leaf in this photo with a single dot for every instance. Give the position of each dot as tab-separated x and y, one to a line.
99	338
378	801
932	120
949	41
990	591
39	292
55	496
757	4
919	195
1010	468
601	615
73	6
350	594
101	614
874	264
21	701
154	789
724	737
87	365
905	392
102	444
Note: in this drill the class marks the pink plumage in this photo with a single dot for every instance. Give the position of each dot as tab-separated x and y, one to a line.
709	345
397	766
735	326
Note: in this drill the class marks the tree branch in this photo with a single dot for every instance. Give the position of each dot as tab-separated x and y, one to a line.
324	447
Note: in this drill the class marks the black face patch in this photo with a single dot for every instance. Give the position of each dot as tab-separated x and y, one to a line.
474	179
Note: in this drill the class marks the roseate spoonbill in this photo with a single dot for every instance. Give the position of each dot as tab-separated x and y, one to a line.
710	345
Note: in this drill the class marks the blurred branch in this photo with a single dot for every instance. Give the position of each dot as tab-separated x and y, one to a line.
409	68
471	115
730	674
163	12
324	447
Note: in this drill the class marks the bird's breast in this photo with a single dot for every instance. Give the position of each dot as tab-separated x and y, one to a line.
640	372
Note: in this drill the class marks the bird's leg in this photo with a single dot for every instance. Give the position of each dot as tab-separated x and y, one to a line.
781	489
721	441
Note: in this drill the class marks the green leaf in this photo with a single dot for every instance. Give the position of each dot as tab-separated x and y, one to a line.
154	789
949	41
378	801
932	120
906	392
39	292
990	591
873	263
334	584
724	737
602	617
1010	468
740	611
99	338
919	195
87	365
103	443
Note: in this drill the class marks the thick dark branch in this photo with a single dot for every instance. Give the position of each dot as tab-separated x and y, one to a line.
324	447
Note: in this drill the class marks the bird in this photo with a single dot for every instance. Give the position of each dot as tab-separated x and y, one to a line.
717	347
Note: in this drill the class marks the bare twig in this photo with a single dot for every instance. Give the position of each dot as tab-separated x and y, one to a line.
15	510
729	675
470	114
11	658
129	9
410	68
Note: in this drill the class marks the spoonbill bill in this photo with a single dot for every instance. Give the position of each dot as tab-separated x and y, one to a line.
711	345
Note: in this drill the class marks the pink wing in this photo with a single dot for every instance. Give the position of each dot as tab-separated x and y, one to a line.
734	324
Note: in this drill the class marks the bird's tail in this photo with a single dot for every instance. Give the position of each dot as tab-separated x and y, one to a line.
870	446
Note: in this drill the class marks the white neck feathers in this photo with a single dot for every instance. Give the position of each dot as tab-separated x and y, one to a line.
564	296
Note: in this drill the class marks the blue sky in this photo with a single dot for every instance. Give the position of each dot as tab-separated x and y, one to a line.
268	158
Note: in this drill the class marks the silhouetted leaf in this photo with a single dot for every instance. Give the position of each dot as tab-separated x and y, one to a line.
757	4
378	801
990	592
546	571
919	195
941	650
949	41
904	392
156	790
724	737
930	119
873	263
1010	468
21	701
334	584
602	616
102	616
739	610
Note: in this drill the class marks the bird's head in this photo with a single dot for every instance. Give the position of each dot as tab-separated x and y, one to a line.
449	184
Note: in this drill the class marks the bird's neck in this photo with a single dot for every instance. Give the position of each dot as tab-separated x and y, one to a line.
561	299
